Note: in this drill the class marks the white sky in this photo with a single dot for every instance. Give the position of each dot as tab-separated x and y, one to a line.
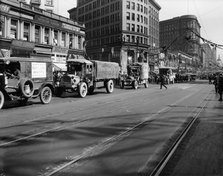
208	12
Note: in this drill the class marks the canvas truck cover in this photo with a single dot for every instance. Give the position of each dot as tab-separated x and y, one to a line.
106	70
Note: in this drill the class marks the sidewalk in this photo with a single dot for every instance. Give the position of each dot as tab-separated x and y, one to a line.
202	151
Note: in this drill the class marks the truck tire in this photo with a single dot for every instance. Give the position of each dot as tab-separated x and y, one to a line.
110	86
45	95
83	89
135	84
26	87
2	99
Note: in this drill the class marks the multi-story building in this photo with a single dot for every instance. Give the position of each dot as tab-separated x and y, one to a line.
122	31
182	34
209	56
26	30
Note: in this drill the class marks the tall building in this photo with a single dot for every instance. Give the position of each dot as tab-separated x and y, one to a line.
122	31
27	30
209	56
179	34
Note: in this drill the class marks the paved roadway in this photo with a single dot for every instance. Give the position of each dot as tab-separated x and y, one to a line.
122	133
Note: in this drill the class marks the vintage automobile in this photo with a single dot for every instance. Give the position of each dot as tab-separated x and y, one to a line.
137	74
83	76
24	78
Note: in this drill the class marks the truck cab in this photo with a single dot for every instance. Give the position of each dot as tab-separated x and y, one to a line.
78	77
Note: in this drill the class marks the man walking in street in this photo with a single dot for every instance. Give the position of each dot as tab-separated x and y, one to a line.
162	81
220	86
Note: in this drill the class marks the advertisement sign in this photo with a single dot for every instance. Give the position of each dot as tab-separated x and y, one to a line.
38	70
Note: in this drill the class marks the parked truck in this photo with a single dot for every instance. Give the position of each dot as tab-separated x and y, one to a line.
137	74
22	78
83	76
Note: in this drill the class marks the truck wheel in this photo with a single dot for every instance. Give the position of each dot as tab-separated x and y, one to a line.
26	87
91	90
2	99
110	86
83	89
135	85
46	95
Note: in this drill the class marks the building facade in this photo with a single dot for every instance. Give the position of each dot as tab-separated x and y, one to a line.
181	34
26	30
122	31
209	56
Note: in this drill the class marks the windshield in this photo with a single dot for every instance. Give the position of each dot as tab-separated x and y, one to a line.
74	68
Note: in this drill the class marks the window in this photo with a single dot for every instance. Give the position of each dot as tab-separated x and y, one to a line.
133	27
37	34
128	16
55	39
128	27
49	2
133	6
13	30
46	35
128	5
133	17
2	23
26	34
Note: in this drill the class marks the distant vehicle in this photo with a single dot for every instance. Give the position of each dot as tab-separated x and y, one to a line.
83	76
137	74
24	78
170	74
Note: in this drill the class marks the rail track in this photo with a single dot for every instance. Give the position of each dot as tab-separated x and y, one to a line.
105	143
171	151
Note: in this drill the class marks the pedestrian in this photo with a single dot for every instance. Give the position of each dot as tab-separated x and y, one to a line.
220	85
162	81
215	83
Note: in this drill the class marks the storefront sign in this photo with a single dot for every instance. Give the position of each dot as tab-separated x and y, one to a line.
47	21
38	70
70	27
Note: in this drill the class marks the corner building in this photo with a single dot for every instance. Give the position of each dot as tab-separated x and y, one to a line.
122	31
28	30
179	34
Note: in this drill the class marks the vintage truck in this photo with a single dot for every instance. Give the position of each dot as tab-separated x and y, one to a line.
83	76
24	78
137	74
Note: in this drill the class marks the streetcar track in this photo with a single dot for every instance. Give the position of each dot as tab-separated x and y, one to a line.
62	127
108	142
163	162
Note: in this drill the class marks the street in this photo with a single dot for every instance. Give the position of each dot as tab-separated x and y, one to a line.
121	133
